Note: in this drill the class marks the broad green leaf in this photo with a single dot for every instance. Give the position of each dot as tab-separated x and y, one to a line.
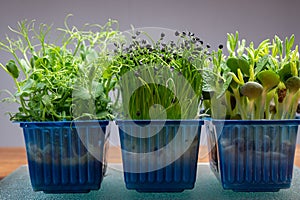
97	89
268	78
293	84
251	89
285	72
261	63
232	63
235	63
244	65
81	93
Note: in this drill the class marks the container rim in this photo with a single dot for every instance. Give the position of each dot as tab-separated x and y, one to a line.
61	123
160	122
256	121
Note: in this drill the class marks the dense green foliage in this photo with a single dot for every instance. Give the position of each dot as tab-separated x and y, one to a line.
62	81
160	79
255	83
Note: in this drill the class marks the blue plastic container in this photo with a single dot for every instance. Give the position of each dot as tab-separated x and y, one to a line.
66	157
160	156
253	155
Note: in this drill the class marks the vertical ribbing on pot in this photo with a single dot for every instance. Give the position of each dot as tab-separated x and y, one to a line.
63	158
166	170
256	155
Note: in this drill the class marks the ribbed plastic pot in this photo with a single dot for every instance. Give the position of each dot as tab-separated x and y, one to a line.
253	155
160	156
66	157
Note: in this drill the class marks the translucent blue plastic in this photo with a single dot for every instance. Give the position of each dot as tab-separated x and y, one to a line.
176	175
255	155
58	158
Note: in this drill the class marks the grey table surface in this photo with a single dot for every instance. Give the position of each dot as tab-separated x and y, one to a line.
17	186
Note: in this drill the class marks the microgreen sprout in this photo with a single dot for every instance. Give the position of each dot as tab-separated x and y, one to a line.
256	83
159	70
52	79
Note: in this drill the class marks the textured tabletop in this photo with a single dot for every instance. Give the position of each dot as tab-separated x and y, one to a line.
17	186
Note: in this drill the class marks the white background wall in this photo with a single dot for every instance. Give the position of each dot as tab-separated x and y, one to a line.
210	19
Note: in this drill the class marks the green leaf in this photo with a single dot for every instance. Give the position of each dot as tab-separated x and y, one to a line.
25	65
225	86
293	84
91	56
81	93
97	89
46	100
285	72
28	85
40	85
251	89
244	65
13	69
235	63
262	62
268	78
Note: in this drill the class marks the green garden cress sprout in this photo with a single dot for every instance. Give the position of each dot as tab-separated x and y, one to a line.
255	83
50	77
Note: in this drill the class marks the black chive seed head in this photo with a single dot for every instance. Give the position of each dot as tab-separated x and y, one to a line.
138	113
221	46
176	33
208	46
162	35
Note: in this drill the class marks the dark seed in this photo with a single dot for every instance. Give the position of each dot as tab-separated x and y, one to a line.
162	35
176	33
208	46
221	46
138	113
148	46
